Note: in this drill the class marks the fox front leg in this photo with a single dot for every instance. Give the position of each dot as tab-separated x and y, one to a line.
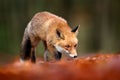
57	55
46	55
46	58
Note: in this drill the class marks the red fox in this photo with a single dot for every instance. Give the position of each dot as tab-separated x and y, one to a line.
57	36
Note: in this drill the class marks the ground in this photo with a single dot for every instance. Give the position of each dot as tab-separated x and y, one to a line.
95	67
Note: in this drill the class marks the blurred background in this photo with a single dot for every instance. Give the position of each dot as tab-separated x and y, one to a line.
99	20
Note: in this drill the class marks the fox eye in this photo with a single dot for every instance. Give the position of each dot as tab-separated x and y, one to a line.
75	45
67	46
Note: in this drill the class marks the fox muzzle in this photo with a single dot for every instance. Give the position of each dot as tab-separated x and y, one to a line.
73	55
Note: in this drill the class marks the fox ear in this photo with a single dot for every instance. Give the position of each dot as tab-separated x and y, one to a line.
59	34
75	30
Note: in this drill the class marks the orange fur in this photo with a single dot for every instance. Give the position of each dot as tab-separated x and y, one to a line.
43	27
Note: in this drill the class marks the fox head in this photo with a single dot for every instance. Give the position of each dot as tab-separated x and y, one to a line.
67	42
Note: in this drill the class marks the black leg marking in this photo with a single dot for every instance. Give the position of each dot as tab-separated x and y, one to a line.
58	55
26	49
33	57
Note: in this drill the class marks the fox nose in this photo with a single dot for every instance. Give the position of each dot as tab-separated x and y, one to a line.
75	56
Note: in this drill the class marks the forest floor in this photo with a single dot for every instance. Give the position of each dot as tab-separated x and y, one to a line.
95	67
